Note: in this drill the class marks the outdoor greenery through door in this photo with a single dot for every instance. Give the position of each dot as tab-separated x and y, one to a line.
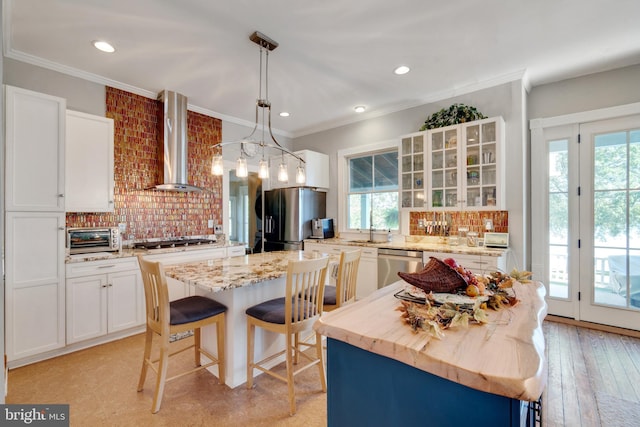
586	195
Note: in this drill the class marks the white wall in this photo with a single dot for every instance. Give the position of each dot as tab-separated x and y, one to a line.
586	93
507	100
81	95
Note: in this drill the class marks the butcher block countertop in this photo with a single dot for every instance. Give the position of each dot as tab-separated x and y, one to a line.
503	357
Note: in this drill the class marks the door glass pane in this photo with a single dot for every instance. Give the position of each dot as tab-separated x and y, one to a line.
558	215
616	213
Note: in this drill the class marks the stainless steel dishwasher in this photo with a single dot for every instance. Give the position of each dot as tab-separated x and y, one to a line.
392	261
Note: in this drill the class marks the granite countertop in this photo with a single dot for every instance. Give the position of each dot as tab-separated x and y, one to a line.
228	273
504	356
426	245
128	252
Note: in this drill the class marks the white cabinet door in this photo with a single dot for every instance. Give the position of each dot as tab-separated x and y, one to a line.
101	302
483	164
89	163
35	132
125	300
316	167
34	285
466	166
367	269
367	272
412	170
86	307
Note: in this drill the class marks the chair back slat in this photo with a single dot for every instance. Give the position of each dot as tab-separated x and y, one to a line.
347	277
305	290
156	293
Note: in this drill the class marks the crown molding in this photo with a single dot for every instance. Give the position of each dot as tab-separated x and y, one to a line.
433	97
95	78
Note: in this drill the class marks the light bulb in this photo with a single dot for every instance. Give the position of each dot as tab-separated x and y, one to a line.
283	175
263	169
241	168
216	165
300	176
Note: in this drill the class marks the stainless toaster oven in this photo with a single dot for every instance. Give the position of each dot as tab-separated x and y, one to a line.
88	240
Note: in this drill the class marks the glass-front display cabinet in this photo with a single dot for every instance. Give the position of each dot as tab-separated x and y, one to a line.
412	170
444	166
466	166
484	164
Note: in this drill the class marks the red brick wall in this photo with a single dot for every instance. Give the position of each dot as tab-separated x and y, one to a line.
137	155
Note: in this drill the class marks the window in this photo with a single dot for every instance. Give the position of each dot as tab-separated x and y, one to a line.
373	191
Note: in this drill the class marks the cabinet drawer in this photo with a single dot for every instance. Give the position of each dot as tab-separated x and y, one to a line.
103	266
236	251
369	253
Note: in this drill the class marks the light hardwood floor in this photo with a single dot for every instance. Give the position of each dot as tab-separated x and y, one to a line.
593	377
593	380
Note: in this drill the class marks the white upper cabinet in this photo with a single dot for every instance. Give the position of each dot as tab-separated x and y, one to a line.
483	164
412	170
89	163
316	167
466	166
35	133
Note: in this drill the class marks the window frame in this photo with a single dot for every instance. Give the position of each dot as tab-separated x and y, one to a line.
343	179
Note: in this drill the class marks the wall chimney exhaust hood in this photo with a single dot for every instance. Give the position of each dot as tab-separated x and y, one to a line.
175	154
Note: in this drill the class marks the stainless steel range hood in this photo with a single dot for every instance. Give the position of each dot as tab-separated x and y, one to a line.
175	154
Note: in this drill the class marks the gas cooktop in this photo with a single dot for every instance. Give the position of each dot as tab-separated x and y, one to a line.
175	243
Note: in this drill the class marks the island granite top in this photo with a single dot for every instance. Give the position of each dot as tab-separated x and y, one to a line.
228	273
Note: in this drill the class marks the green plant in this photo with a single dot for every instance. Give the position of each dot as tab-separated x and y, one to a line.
457	113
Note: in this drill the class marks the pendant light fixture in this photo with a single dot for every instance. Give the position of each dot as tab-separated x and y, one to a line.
264	105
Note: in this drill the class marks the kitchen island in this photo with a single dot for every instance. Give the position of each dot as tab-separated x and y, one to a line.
239	283
380	372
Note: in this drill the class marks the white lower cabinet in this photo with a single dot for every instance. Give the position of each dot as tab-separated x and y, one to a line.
367	269
34	283
478	264
367	272
103	297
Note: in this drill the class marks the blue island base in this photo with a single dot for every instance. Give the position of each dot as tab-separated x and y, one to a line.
366	389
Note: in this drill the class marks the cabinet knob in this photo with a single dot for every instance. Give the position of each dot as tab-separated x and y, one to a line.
61	228
60	195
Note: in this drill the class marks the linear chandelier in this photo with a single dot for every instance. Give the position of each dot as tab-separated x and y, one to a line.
248	145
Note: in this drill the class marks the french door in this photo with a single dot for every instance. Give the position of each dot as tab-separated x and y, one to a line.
586	198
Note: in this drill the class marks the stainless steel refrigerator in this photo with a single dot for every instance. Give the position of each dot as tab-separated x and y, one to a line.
287	216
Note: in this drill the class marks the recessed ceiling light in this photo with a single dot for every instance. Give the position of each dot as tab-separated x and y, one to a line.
284	114
103	46
360	108
403	69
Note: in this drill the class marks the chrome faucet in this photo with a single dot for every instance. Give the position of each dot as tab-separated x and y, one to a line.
371	229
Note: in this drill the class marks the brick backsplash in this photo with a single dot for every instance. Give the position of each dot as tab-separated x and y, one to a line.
474	220
138	165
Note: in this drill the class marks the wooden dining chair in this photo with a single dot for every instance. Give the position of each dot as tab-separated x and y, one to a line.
344	292
165	318
291	315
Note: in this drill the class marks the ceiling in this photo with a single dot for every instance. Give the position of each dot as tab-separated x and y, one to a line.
332	54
